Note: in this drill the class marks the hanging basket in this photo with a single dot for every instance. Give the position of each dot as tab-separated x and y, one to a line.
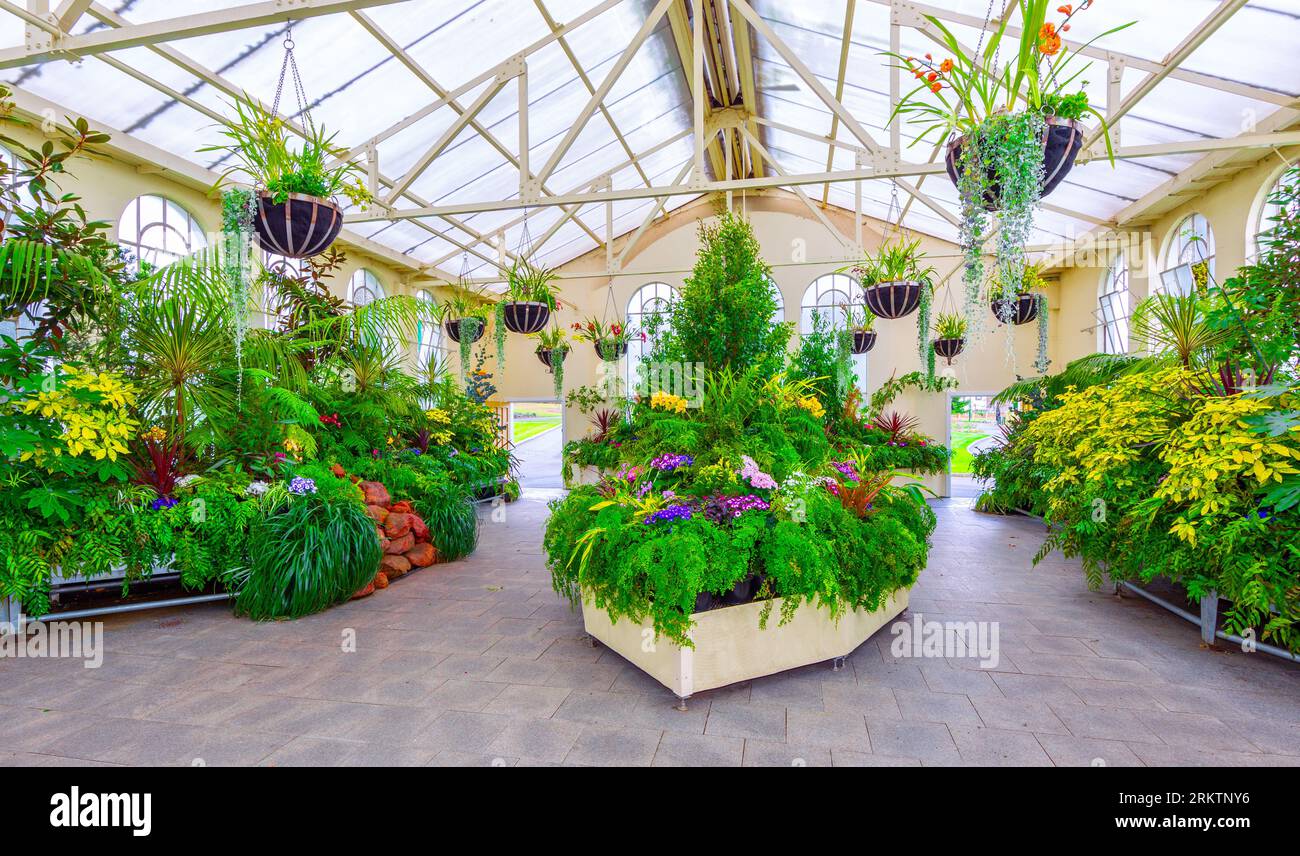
1062	144
893	299
863	341
1020	310
525	317
299	227
949	348
610	352
550	357
454	328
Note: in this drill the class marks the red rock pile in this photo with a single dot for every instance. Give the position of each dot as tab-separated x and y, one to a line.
402	534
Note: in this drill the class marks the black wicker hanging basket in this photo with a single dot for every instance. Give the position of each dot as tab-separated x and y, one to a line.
525	316
1021	309
1060	148
299	227
893	299
863	341
610	352
551	357
454	329
949	348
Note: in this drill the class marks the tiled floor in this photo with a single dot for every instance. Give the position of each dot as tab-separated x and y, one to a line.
478	662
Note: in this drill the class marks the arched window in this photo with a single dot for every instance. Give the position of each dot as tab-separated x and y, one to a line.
1269	210
364	288
825	297
428	336
778	315
273	313
1192	244
158	231
647	301
1113	309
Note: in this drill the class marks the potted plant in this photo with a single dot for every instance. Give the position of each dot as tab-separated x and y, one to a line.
893	281
1019	304
860	320
610	340
949	335
297	213
465	317
530	297
552	348
1013	128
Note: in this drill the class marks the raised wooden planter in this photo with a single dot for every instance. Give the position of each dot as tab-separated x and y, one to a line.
731	647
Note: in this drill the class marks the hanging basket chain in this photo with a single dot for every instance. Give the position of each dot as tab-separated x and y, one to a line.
289	67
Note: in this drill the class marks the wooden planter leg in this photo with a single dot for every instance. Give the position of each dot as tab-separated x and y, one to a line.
838	663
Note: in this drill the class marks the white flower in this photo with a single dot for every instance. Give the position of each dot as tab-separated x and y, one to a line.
256	488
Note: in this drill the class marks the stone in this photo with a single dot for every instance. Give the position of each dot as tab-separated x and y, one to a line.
419	528
377	513
397	525
421	555
394	566
398	546
381	580
400	507
376	494
365	592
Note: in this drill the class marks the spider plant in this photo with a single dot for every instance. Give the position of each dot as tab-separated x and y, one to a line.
858	318
553	339
527	282
949	325
895	261
260	147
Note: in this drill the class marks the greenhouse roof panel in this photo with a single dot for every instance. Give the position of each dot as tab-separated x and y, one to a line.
381	72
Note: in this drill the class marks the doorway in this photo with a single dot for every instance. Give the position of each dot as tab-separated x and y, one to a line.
974	424
537	432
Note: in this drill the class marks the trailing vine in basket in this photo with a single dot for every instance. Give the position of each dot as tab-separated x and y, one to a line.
1004	121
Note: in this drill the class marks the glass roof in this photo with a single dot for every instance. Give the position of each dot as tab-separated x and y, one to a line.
360	87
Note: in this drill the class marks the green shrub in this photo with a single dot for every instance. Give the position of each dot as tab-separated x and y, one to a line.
307	553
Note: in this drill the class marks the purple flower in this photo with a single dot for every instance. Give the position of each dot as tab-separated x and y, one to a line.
300	486
672	512
163	502
668	462
846	469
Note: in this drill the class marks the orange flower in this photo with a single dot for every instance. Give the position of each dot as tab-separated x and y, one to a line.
932	77
1066	9
946	66
936	87
1048	31
1065	28
1051	46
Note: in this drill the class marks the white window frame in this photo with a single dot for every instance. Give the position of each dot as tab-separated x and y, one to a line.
176	220
826	293
648	299
1114	306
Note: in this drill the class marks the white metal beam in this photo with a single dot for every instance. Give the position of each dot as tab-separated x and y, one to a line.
597	97
183	27
69	12
1216	19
